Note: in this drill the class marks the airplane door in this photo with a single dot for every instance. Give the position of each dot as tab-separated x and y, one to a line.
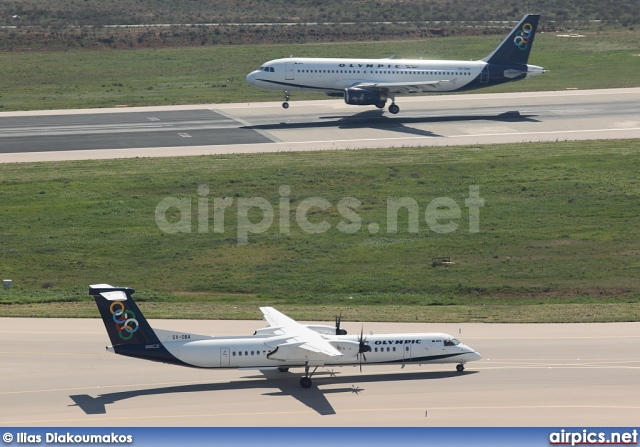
406	353
289	70
484	76
224	357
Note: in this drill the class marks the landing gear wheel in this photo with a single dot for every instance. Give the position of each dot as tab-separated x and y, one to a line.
283	369
460	367
287	96
394	109
381	105
305	382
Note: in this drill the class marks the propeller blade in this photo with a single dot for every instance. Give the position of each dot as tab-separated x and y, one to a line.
362	347
338	321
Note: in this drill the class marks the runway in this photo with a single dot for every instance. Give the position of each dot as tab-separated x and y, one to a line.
56	372
319	125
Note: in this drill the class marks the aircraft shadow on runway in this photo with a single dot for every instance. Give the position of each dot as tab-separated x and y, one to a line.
376	119
314	397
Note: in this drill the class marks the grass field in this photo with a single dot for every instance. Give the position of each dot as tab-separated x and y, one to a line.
558	238
216	74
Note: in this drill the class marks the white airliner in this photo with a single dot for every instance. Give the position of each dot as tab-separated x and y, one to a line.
374	81
283	344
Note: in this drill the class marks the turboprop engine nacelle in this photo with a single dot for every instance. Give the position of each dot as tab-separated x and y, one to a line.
326	330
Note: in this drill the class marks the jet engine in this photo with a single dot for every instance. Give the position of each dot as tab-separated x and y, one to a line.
364	97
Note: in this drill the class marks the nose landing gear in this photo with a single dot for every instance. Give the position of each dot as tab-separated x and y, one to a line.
287	96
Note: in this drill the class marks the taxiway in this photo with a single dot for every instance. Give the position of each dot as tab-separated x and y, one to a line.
56	372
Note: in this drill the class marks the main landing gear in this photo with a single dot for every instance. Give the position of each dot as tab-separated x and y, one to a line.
305	382
287	96
393	108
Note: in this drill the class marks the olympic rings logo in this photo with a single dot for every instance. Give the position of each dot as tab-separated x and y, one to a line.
125	320
524	37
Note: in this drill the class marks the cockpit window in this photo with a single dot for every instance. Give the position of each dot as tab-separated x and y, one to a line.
267	69
451	342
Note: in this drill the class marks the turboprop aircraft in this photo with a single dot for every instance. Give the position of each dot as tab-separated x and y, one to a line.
284	344
374	81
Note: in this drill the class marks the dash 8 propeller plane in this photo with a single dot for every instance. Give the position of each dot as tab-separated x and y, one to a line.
283	344
374	81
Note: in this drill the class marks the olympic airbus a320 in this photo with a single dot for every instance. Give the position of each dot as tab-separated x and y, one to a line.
374	81
283	344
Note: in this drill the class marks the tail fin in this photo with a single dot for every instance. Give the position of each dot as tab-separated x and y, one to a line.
515	48
122	318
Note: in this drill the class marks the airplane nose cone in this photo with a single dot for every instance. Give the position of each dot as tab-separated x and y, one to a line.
251	78
471	355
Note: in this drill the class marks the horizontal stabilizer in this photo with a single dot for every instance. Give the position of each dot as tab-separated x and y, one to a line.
118	295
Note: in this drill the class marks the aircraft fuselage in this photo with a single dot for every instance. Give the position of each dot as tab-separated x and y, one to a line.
257	351
333	76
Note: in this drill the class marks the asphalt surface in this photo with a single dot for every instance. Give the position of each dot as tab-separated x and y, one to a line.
121	131
319	125
56	372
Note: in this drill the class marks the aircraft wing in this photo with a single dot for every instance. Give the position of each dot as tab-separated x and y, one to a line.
297	336
402	87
